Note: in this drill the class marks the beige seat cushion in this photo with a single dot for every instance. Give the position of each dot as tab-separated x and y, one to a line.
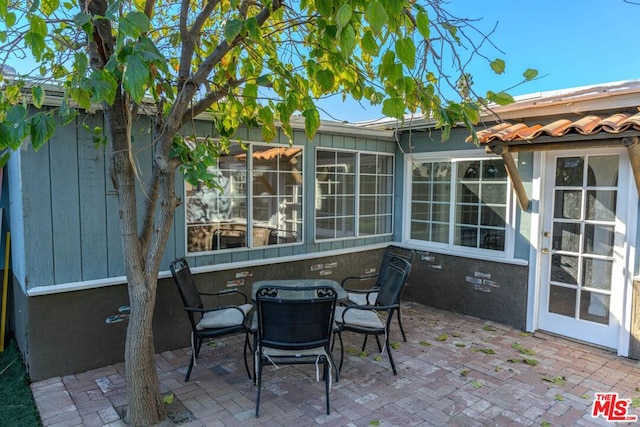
224	318
357	317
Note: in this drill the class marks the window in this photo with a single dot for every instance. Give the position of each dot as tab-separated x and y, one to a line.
263	184
354	194
460	202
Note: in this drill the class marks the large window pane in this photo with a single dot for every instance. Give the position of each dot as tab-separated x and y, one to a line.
218	218
479	211
337	195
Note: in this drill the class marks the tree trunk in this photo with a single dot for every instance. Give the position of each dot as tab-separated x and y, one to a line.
145	404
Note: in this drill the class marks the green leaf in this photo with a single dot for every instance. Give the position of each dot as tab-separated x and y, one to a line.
347	40
168	399
501	98
36	43
49	6
406	51
376	16
489	328
530	74
42	129
442	337
134	23
369	44
422	22
476	384
311	122
232	29
37	95
498	66
343	16
325	80
104	86
18	126
135	78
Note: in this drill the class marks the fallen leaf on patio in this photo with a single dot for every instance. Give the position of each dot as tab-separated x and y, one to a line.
455	334
585	396
374	423
363	354
476	384
559	381
545	424
514	360
425	343
378	358
168	399
532	362
516	346
395	345
559	397
525	334
460	344
442	337
353	350
487	351
637	388
212	344
527	351
489	328
498	369
635	402
464	373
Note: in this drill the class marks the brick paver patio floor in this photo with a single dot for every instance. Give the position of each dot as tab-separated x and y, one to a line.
454	371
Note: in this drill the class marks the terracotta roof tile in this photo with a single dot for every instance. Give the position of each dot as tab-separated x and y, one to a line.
587	125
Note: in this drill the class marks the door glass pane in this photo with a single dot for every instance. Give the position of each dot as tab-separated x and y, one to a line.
420	211
568	204
598	239
493	169
603	171
494	193
601	205
442	171
597	273
469	171
594	307
564	269
466	236
493	215
468	193
440	212
441	192
467	214
566	236
420	231
492	239
569	171
562	300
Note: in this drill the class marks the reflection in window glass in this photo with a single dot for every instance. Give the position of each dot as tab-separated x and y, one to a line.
478	215
218	218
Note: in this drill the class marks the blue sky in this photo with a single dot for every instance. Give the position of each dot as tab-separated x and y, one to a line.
570	42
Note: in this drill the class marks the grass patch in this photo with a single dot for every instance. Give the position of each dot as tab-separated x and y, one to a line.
17	407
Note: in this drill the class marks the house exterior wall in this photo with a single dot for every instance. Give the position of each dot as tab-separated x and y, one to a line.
68	273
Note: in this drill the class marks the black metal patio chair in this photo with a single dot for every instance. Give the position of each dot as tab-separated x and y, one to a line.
214	321
375	319
294	326
368	296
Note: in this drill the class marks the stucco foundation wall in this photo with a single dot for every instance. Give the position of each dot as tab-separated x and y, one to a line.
484	289
67	332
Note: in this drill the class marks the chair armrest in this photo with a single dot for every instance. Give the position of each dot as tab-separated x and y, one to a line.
361	278
226	292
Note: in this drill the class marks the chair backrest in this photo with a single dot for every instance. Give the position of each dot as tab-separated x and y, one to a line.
391	252
295	318
393	281
186	285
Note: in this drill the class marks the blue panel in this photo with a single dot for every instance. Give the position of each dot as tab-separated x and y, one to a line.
93	222
38	227
65	212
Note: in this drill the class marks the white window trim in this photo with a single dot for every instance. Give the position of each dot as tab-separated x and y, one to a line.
449	248
356	194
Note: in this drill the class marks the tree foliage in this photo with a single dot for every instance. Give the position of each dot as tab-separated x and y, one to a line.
243	62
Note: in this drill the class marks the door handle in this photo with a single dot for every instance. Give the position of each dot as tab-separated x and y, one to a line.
546	251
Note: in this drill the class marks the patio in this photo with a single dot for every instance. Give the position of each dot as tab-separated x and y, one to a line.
455	370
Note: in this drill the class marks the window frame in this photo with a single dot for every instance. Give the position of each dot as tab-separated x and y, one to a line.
357	193
449	247
248	174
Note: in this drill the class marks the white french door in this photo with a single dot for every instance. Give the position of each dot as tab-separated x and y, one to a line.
582	249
